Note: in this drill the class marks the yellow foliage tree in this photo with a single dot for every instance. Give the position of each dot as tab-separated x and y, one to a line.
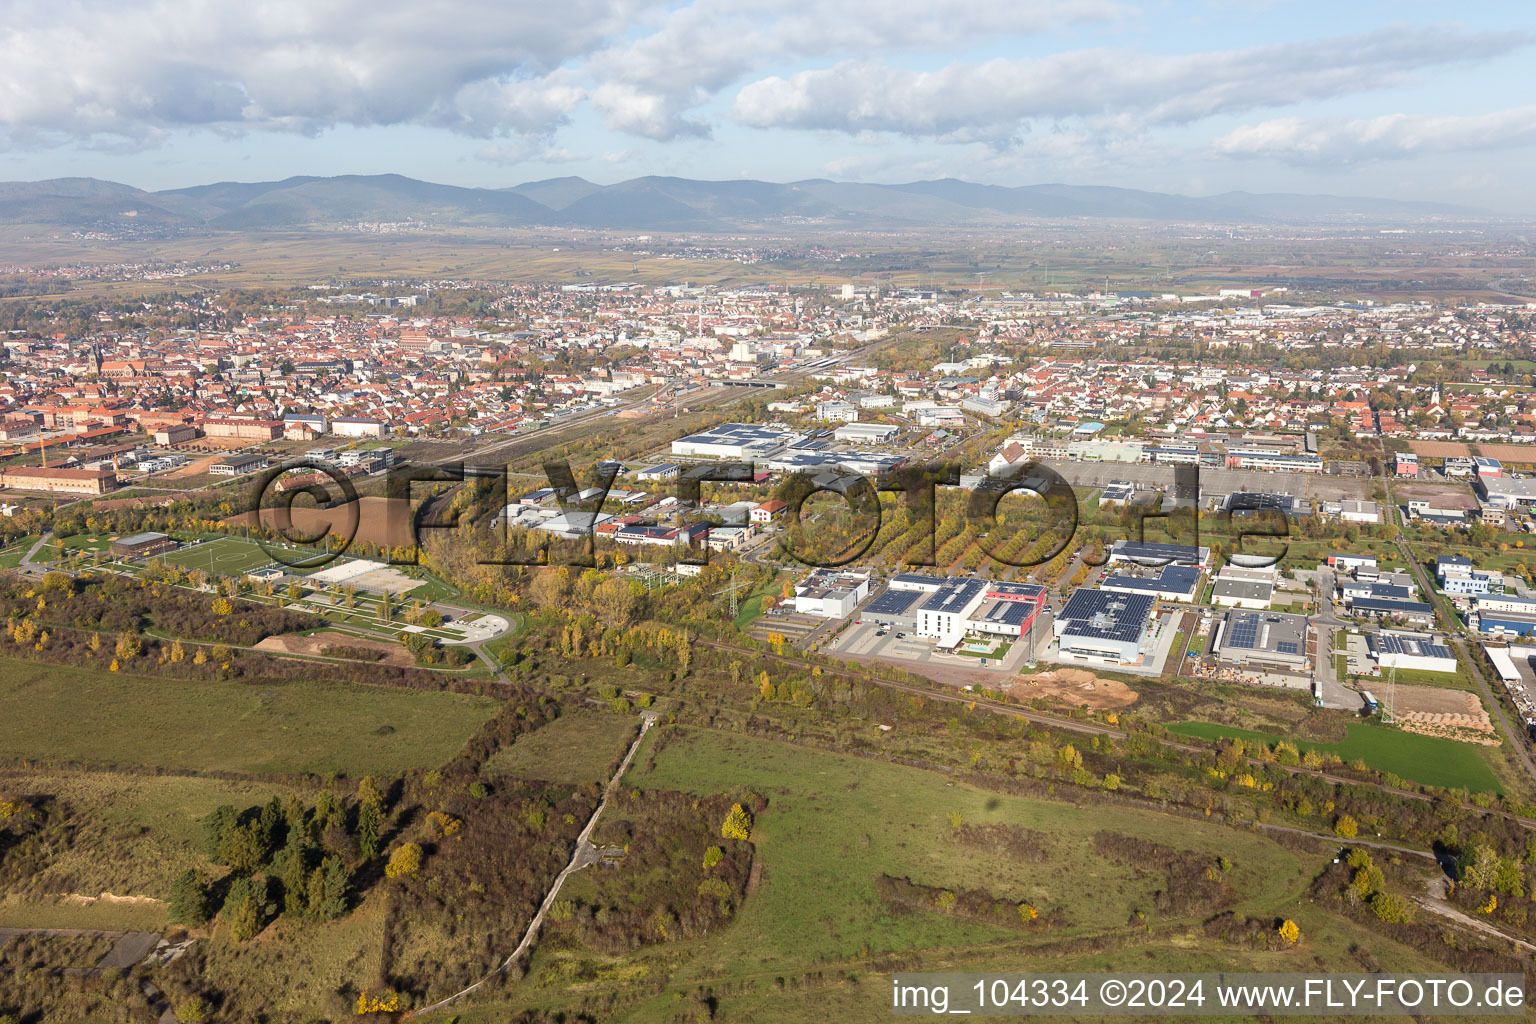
737	824
406	860
1289	931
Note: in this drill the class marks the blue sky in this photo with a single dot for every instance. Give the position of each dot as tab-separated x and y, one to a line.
1407	100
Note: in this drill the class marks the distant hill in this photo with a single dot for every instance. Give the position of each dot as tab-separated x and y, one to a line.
657	204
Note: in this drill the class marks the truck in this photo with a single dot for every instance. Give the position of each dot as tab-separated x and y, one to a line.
1372	705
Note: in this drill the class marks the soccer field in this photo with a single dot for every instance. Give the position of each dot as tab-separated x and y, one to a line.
227	556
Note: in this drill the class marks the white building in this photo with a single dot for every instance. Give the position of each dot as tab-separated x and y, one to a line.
831	594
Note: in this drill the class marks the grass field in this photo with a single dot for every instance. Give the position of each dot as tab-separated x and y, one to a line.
1424	759
835	822
57	713
579	746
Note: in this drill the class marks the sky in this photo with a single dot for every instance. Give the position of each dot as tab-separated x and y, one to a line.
1411	100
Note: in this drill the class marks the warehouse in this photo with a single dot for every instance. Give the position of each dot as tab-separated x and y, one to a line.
1272	639
1103	626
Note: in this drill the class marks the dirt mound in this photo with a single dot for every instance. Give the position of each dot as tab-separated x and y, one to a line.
315	645
1075	687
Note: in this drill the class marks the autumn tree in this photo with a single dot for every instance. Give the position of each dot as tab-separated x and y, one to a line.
406	860
737	824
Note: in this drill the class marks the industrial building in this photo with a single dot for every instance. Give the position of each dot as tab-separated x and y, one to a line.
1103	626
1262	639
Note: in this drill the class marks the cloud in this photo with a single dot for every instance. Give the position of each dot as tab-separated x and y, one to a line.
131	68
1392	136
702	47
999	98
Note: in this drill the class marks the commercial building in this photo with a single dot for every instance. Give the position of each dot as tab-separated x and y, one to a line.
1506	492
1103	626
60	481
244	430
1414	651
735	441
1262	639
865	433
1153	553
234	465
831	594
1117	492
179	433
1170	583
1239	586
1259	458
353	426
143	545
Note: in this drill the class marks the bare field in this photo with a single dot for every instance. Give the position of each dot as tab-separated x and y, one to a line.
1446	495
379	521
1440	449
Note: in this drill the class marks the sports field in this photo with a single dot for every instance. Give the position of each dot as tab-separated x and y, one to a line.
227	556
235	556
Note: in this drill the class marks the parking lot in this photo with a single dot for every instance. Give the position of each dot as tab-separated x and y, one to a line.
868	640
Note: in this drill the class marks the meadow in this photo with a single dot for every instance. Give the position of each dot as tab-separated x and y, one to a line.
834	823
1423	759
57	713
580	746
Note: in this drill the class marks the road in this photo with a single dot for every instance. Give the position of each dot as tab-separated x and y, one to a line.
582	856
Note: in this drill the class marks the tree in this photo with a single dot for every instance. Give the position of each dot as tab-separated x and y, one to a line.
370	815
128	646
191	902
737	824
1346	826
614	600
248	907
222	606
406	860
1289	931
192	1011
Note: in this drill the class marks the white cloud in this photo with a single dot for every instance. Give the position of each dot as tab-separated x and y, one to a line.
1391	136
702	47
999	98
130	68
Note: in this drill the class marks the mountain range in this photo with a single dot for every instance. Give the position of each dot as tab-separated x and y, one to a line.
656	204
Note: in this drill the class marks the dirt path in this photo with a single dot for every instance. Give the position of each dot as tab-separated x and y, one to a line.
584	855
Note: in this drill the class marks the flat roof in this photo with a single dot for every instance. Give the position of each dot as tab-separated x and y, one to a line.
1105	615
893	602
1272	632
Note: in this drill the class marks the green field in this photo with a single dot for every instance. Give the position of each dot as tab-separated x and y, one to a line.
581	745
1423	759
835	823
58	713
